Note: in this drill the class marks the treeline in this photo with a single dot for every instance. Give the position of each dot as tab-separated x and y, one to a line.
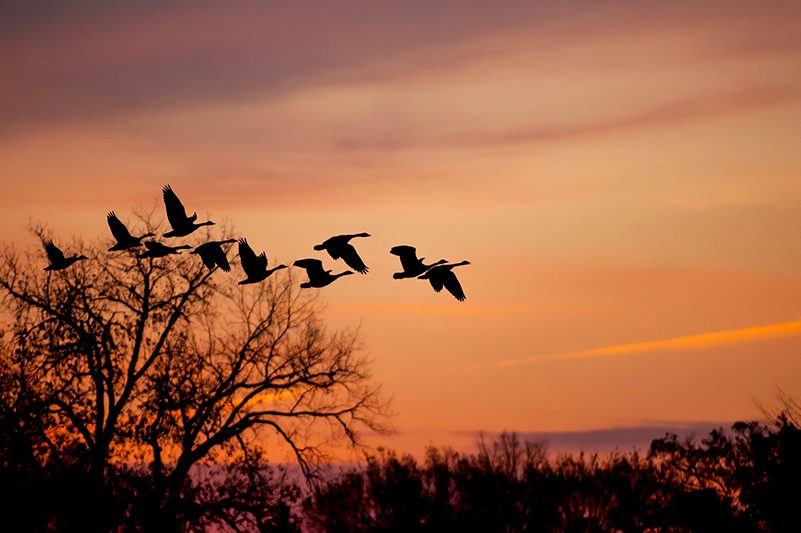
745	478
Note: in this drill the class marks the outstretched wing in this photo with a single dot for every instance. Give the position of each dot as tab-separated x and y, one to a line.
54	255
334	245
408	257
314	267
352	259
207	255
118	229
222	260
252	264
176	214
403	249
436	283
451	283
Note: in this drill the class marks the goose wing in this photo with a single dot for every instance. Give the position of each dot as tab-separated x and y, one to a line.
213	255
221	259
207	254
314	267
54	255
118	229
252	264
451	283
176	214
334	245
436	283
348	254
408	257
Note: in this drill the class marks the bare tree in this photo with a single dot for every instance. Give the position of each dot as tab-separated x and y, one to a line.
167	364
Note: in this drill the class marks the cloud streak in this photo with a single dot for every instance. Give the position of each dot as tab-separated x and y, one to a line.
675	344
688	109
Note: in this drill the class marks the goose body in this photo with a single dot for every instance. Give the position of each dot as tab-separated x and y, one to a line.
412	266
213	255
318	276
255	266
443	276
57	259
339	247
156	249
182	225
125	241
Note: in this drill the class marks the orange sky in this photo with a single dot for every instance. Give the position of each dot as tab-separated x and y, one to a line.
625	178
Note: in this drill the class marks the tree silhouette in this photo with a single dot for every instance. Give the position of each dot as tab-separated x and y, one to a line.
139	373
742	479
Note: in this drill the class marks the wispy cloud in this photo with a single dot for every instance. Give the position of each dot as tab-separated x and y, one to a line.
688	342
687	109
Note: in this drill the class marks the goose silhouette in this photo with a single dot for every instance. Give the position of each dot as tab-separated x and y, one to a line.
56	257
255	266
213	255
318	277
156	249
340	247
443	276
125	241
412	266
182	225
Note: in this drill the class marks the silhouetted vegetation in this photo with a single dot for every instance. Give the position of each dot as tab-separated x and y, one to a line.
743	479
139	394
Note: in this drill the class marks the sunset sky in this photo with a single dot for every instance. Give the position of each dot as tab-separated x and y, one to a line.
625	178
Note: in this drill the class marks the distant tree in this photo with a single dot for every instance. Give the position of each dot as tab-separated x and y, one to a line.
507	485
746	478
140	375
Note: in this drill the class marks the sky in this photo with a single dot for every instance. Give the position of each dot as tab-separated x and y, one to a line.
624	177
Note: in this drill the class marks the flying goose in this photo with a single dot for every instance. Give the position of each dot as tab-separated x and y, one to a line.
255	266
318	277
340	247
125	241
442	275
182	225
57	259
156	249
412	266
213	254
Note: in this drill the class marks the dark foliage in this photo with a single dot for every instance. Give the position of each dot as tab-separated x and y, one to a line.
139	394
743	479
